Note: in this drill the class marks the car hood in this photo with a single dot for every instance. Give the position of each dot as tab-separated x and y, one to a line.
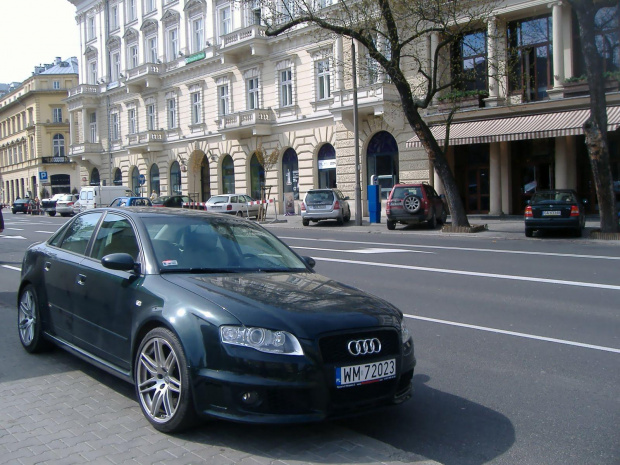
305	304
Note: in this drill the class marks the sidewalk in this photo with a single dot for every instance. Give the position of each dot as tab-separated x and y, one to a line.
504	227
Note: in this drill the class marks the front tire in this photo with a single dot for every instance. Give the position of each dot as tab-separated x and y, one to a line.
391	225
29	322
162	382
51	213
529	232
305	222
432	223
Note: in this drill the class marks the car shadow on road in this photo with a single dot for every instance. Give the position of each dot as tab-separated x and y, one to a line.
441	427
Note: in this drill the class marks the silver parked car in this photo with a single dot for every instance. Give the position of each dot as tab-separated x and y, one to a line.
325	204
65	204
234	204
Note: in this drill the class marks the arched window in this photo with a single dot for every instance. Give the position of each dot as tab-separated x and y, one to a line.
327	166
382	158
205	179
175	179
118	177
228	175
154	178
58	143
257	178
135	181
290	173
94	177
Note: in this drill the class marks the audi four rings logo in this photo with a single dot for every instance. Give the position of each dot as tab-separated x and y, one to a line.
364	347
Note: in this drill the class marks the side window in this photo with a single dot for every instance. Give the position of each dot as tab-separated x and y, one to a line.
234	199
79	233
116	235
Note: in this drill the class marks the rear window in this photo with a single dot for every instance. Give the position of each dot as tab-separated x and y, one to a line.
400	193
553	197
218	199
326	197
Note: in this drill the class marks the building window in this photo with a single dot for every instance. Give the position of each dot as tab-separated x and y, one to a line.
132	55
196	103
132	13
531	57
253	13
225	21
150	6
607	23
173	44
172	113
92	72
228	175
252	87
154	179
151	50
198	35
90	28
150	117
323	76
469	62
175	178
56	85
114	24
93	127
224	101
116	66
131	119
114	126
57	115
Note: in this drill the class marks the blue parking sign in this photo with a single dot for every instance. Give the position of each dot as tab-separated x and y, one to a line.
42	175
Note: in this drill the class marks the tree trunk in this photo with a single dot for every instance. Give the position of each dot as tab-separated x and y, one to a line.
595	128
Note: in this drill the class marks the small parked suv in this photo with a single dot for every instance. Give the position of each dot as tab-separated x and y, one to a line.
415	203
325	204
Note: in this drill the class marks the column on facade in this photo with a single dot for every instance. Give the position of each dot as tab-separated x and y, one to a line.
561	166
506	183
84	126
493	62
495	200
432	48
339	55
558	46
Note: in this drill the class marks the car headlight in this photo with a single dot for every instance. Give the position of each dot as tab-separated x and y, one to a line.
404	332
261	339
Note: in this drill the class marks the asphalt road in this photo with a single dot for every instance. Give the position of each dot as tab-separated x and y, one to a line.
518	341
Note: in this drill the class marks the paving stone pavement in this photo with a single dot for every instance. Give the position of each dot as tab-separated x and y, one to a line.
56	409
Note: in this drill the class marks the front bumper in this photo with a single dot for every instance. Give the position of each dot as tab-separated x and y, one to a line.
288	389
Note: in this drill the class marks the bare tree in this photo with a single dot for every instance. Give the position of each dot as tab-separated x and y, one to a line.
595	127
395	34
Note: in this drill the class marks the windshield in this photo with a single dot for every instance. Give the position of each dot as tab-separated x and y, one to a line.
200	244
325	197
567	197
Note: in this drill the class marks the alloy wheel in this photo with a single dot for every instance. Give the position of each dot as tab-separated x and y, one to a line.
27	317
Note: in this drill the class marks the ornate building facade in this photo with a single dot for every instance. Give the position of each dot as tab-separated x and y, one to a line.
186	93
34	134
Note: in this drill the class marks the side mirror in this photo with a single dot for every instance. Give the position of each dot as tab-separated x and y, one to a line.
309	261
121	262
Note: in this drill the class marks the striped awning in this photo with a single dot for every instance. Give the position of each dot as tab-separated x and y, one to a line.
540	126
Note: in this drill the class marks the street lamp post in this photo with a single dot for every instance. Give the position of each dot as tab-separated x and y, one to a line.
358	187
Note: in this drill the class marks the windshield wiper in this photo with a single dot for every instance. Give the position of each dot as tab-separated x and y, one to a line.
200	270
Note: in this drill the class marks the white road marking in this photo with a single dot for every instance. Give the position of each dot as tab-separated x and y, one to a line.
513	333
12	237
367	251
467	249
475	273
15	229
46	232
11	267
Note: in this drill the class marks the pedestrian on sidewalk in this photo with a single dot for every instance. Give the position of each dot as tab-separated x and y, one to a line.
1	221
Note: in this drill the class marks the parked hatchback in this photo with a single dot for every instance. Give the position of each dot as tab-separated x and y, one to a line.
131	202
233	204
325	204
65	203
555	209
415	203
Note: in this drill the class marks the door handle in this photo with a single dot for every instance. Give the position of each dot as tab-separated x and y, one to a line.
81	279
47	266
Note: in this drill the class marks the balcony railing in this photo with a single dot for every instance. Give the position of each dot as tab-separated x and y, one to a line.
250	122
250	40
55	160
144	77
84	89
147	141
85	148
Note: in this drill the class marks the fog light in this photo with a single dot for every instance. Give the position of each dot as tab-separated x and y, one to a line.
250	398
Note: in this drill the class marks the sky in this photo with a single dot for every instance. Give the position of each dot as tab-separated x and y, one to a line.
35	32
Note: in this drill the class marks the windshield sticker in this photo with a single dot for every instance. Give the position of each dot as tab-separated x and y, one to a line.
169	263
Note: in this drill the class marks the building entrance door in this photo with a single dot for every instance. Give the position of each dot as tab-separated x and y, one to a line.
478	189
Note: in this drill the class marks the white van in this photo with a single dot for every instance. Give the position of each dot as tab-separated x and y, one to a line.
100	196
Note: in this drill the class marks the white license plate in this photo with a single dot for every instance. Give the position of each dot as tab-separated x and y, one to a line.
317	207
552	213
356	375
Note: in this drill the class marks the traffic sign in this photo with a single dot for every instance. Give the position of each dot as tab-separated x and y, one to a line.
42	175
142	179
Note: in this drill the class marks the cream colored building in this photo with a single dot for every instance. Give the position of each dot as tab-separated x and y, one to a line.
184	93
34	134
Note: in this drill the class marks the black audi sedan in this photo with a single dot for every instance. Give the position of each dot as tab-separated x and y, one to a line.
211	316
558	209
